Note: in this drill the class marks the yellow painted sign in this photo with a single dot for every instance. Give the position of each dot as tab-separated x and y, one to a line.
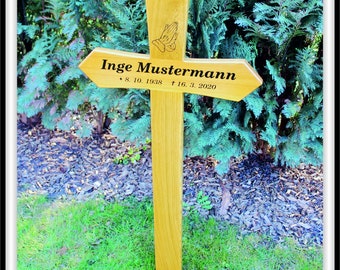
169	75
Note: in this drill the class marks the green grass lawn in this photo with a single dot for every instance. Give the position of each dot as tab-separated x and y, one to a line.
99	235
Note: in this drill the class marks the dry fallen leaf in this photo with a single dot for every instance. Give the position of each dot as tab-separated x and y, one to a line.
226	202
62	251
58	140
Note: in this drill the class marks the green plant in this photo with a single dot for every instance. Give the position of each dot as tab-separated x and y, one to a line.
50	82
282	40
204	200
133	154
89	235
290	34
97	234
283	117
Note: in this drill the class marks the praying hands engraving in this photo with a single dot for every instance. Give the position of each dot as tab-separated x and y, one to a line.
167	40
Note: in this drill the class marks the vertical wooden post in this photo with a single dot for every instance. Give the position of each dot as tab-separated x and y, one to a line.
167	135
167	145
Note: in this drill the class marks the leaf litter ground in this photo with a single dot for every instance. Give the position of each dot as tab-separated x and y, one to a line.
255	195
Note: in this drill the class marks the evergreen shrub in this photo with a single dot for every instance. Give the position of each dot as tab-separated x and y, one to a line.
282	40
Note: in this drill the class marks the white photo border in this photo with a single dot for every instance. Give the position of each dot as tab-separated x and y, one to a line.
11	133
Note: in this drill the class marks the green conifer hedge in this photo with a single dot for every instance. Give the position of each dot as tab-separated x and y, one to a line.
282	40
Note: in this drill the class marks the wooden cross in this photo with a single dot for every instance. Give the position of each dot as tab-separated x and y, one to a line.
169	75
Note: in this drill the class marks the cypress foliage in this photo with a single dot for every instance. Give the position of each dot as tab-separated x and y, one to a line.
282	40
50	81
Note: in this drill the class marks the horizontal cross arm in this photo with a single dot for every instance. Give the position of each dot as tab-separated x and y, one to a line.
230	79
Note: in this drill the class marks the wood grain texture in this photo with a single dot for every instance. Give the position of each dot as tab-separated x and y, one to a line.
112	68
167	137
167	168
164	13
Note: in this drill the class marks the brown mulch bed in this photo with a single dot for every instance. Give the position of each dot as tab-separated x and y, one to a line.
255	195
